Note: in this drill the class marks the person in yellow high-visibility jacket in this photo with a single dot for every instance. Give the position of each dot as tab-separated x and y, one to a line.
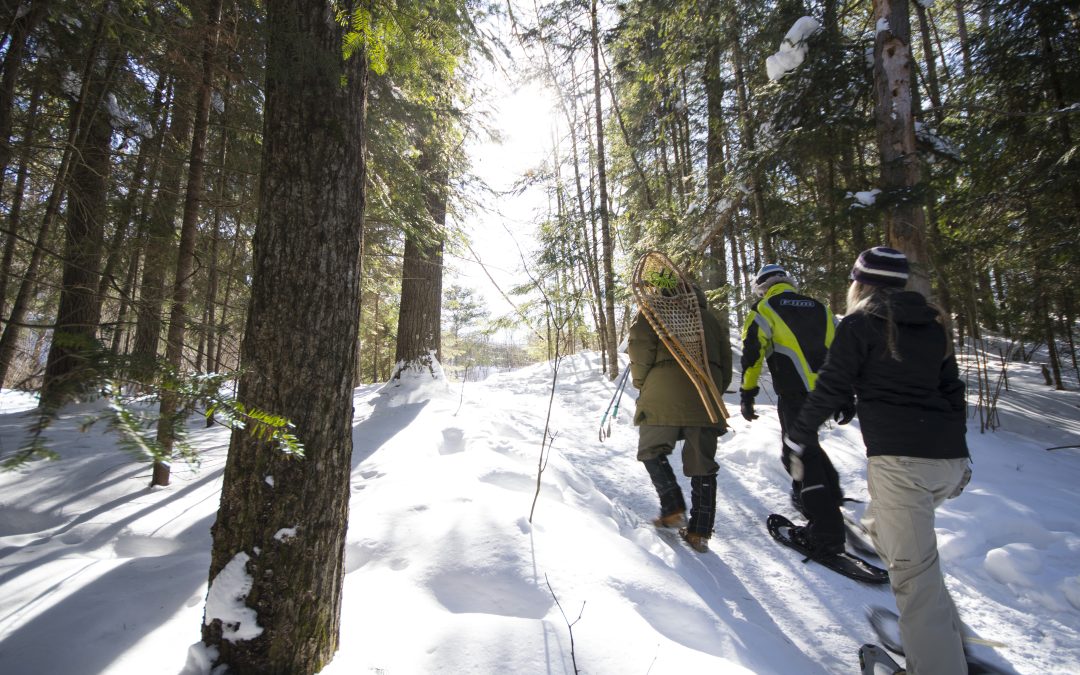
791	333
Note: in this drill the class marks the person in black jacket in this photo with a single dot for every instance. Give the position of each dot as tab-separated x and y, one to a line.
791	333
893	348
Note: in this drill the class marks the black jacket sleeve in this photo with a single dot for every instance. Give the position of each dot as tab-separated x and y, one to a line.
951	386
835	381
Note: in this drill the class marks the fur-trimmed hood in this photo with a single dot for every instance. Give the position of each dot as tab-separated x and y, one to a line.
762	288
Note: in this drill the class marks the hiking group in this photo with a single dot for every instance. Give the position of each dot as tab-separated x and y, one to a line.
890	361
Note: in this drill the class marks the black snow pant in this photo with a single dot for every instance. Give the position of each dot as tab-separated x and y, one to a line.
818	495
655	443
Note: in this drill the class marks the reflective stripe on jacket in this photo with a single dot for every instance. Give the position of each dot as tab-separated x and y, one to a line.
792	333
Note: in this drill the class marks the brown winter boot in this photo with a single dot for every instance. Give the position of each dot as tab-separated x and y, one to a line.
677	519
698	542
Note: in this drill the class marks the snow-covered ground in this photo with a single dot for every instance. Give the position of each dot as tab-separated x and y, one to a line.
446	574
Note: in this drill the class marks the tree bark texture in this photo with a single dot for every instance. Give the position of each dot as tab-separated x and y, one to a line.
298	350
420	311
21	305
67	371
421	284
901	176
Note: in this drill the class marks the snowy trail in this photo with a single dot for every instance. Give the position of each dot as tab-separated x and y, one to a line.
822	614
746	574
445	573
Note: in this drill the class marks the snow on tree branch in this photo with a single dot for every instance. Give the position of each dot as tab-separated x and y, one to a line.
793	48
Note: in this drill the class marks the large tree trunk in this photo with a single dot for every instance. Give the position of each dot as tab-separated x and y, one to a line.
905	220
298	351
612	345
185	259
420	312
68	372
21	306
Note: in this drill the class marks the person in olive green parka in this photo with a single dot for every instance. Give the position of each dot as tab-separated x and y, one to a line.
669	409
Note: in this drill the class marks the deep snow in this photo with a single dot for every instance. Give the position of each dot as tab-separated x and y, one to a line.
445	573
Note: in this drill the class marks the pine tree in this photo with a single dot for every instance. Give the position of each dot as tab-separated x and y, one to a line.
299	362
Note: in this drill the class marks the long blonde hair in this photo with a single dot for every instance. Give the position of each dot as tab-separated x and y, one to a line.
875	300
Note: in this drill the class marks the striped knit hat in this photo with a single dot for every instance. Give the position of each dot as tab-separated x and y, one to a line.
881	266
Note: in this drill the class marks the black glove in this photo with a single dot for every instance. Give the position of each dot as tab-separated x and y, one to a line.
746	405
845	413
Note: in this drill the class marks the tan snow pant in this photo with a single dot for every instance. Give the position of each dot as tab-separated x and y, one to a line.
904	491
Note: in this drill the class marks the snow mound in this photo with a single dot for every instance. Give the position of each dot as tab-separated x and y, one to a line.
12	400
417	382
1014	564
